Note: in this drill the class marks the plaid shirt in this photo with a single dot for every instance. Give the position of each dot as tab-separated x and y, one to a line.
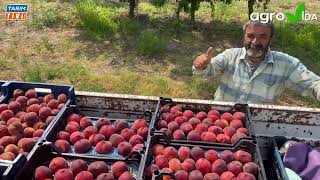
277	72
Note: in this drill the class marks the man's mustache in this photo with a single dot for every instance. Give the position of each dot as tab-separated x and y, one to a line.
255	47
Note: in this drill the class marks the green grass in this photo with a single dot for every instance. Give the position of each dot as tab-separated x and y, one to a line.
151	43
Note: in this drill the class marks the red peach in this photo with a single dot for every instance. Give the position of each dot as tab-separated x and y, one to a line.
139	123
208	137
137	146
227	156
222	138
6	115
4	131
127	133
246	176
84	175
95	138
32	101
243	130
7	156
72	127
120	124
3	107
201	115
105	176
236	124
243	156
235	167
188	114
194	122
42	173
48	97
14	106
221	123
62	98
170	153
219	166
194	136
53	104
38	133
168	117
82	146
136	139
102	121
103	147
227	116
181	175
203	165
196	153
211	176
17	93
211	155
183	153
97	168
34	108
173	126
195	175
77	166
165	108
118	168
208	121
107	131
44	112
74	117
88	131
85	122
124	148
179	135
143	132
62	145
213	112
200	128
251	168
229	131
167	132
239	115
22	100
186	127
175	108
227	176
157	149
162	124
188	165
161	161
76	136
126	176
12	148
26	144
63	135
236	137
58	163
31	93
180	119
63	174
174	164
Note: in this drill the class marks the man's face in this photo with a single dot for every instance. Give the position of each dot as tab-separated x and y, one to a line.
256	41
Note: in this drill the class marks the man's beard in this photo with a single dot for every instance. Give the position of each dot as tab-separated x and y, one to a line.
256	53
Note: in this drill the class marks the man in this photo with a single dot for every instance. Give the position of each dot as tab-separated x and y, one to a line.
254	74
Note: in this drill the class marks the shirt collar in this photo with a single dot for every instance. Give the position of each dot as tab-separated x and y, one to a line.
269	56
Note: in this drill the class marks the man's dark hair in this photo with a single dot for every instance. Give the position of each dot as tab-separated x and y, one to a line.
269	24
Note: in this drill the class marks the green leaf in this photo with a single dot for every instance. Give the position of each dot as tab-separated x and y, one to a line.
299	12
291	18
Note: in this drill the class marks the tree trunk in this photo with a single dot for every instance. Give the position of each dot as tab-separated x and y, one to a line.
192	13
250	7
132	5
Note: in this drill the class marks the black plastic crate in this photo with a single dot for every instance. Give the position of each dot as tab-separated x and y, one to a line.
243	144
112	115
196	107
2	89
46	152
8	169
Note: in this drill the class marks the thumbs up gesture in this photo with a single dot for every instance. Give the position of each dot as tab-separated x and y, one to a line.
202	61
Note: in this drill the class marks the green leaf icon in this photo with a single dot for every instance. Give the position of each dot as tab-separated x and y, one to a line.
297	17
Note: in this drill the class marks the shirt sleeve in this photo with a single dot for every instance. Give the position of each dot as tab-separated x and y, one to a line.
217	65
303	81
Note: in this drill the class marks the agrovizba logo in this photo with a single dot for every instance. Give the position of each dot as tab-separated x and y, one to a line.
299	15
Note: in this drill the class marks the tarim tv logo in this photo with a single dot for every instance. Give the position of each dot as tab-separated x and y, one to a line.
16	11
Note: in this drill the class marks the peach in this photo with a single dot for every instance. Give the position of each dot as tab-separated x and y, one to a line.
186	127
54	112
126	176
95	138
235	167
208	121
139	123
4	131
143	132
135	139
213	112
169	172
216	130
174	164
227	116
102	121
116	139
118	168
107	131
188	114
39	125
17	93
168	117
62	145
165	108
201	115
14	106
175	108
26	144
194	122
44	112
22	100
72	127
78	165
196	153
181	175
11	120
177	114
74	117
211	155
221	123
84	175
211	176
3	107
3	123
203	165
219	166
38	133
227	156
6	115
17	137
222	138
103	147
85	122
48	97
53	104
76	136
90	130
137	146
179	120
157	149
63	135
194	136
105	176
63	174
42	173
239	115
31	93
236	124
183	153
58	163
33	101
229	131
236	137
124	148
6	140
82	146
208	137
61	106
162	124
151	169
161	161
227	176
120	124
246	176
243	131
127	134
200	128
251	168
242	156
31	118
170	152
188	165
7	156
62	98
195	175
97	168
173	126
34	108
12	148
179	135
49	120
